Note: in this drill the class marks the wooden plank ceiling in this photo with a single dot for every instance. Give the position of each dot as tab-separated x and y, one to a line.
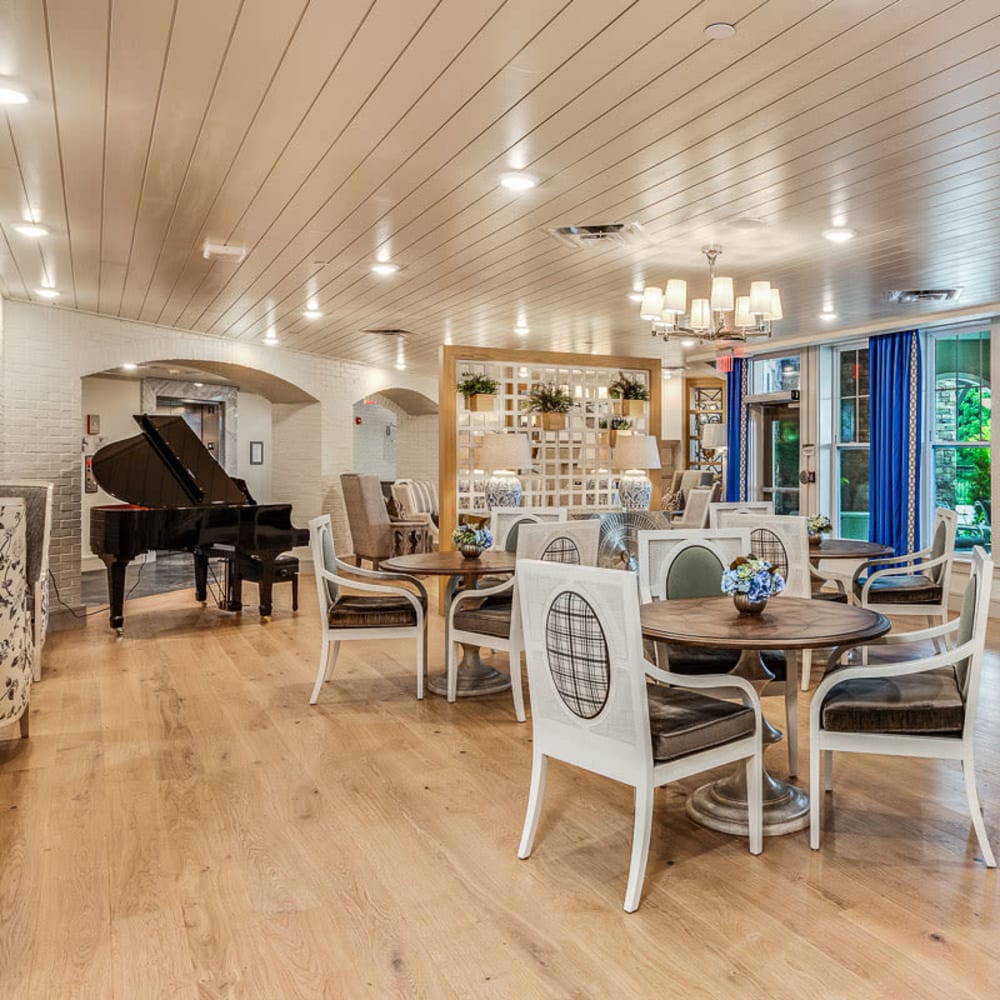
323	135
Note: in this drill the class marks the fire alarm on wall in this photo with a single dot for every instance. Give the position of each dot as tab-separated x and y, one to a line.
357	421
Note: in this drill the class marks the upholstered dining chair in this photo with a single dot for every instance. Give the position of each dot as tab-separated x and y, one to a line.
356	603
764	508
505	522
913	584
37	496
592	704
922	707
374	535
15	620
683	482
489	616
674	564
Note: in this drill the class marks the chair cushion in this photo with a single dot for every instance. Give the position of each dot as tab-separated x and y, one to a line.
916	589
835	596
356	611
696	661
929	702
682	722
492	617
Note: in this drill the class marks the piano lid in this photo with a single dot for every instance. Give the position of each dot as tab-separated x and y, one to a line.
165	466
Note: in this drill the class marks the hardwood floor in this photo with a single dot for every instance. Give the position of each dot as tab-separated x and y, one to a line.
182	824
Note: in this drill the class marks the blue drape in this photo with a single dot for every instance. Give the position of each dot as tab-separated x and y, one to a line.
895	414
736	431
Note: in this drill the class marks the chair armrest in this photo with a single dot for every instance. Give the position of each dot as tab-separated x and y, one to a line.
374	588
906	570
897	639
467	595
713	681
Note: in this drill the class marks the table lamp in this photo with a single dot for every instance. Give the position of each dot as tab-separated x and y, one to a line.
713	437
502	455
635	454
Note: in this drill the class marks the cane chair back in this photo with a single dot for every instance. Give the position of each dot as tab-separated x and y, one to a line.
505	523
763	508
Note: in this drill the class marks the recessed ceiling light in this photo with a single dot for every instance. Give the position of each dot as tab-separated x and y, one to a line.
271	340
720	30
521	330
400	366
517	181
12	92
130	366
828	315
30	229
839	234
47	293
687	343
198	385
635	296
383	267
312	314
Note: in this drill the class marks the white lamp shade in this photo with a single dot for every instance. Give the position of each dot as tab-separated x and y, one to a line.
744	317
760	297
636	451
713	436
505	451
722	294
676	298
652	303
776	312
667	319
701	314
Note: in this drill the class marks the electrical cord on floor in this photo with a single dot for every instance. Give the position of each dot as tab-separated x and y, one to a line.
93	611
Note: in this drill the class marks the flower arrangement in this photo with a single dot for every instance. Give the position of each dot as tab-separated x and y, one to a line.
819	524
470	535
628	387
756	578
476	384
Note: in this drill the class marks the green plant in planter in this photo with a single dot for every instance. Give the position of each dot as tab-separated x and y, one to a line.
547	397
477	384
628	387
615	424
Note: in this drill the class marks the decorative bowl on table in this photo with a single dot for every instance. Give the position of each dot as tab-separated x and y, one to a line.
751	581
471	541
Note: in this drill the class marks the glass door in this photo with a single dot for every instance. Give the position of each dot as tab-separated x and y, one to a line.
777	447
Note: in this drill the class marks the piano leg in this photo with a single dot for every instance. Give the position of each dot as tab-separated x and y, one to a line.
201	577
234	583
265	583
116	590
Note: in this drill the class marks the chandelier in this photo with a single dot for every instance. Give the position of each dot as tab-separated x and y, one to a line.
719	317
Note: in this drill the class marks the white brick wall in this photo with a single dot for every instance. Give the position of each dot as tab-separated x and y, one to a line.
45	351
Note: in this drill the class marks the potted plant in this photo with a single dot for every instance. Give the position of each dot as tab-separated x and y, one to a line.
471	541
818	526
631	391
479	391
751	581
612	427
552	401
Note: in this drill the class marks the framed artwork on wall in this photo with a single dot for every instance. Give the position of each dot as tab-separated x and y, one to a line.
256	452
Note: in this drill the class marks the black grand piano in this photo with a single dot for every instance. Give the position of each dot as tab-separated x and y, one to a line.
179	497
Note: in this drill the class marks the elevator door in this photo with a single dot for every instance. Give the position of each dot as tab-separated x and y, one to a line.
777	426
205	419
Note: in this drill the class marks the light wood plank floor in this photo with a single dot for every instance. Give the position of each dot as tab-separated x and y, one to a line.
181	823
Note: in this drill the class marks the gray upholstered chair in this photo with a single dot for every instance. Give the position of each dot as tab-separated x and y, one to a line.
37	497
922	707
913	584
374	535
15	620
592	704
357	603
681	485
417	500
489	617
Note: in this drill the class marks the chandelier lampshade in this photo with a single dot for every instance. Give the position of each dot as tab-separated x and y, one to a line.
722	316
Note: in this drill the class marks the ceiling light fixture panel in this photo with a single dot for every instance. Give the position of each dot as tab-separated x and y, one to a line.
30	229
839	234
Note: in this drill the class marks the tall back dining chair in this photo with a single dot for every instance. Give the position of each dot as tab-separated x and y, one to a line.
696	509
356	603
924	707
489	616
674	565
505	522
763	508
374	534
592	705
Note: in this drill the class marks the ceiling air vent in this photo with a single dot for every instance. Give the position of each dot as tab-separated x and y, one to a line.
389	331
924	295
224	251
579	237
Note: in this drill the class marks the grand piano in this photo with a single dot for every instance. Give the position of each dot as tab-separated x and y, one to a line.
178	497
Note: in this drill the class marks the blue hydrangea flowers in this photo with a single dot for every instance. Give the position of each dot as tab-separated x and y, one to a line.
756	578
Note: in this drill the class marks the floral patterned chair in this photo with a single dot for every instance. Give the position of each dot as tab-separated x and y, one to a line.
15	627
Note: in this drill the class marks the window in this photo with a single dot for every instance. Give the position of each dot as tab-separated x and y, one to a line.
961	432
852	441
775	374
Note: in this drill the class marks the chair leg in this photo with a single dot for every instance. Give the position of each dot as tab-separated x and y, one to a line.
25	725
975	810
421	661
815	793
828	770
806	670
451	659
641	830
515	683
295	592
539	769
792	723
326	663
755	801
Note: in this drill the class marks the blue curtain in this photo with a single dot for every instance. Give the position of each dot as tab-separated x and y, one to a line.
736	430
895	413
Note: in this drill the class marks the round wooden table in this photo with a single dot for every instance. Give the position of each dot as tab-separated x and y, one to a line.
848	548
788	623
474	676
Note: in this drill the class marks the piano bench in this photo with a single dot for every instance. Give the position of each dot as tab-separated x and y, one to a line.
285	568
